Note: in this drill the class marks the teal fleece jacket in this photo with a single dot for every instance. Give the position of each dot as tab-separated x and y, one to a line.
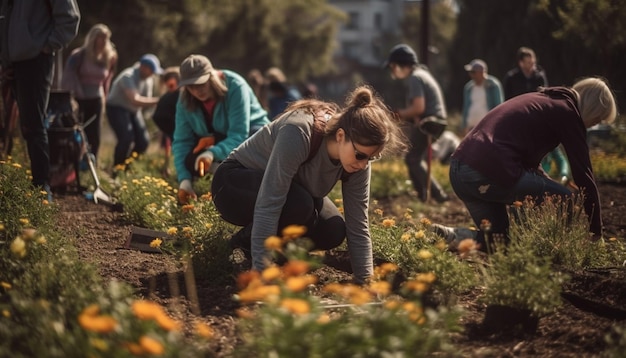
495	96
232	117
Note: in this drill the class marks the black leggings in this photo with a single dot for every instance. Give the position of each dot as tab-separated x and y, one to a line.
235	190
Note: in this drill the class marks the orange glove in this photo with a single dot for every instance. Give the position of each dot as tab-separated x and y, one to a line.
204	143
185	192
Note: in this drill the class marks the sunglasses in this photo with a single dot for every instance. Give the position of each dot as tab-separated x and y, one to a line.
362	156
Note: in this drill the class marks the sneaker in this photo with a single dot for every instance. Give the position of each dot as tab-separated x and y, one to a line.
242	239
453	235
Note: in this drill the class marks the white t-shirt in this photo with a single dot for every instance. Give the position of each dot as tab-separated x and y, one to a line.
478	105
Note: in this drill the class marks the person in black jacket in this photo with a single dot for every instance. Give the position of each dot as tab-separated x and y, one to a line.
526	77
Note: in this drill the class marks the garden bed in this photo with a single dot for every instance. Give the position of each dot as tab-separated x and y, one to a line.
576	329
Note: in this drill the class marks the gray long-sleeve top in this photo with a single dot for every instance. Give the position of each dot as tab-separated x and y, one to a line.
280	149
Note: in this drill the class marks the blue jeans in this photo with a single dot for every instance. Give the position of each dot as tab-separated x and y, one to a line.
130	130
31	84
486	200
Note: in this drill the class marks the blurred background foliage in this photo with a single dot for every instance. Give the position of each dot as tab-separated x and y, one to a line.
572	38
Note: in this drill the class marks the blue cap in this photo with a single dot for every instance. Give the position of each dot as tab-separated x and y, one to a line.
153	62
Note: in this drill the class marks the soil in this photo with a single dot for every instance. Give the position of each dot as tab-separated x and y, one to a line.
594	300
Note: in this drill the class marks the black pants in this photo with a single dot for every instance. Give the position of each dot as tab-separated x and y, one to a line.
91	110
235	190
31	85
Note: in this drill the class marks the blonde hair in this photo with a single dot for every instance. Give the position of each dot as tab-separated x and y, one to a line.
217	84
595	100
109	54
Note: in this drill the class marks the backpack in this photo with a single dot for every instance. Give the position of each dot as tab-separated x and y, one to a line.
67	141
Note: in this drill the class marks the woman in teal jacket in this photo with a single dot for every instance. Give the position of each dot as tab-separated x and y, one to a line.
217	110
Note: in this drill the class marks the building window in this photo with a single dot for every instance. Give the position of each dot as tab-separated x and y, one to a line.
353	21
378	21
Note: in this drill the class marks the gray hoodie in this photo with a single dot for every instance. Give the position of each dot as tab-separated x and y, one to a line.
28	27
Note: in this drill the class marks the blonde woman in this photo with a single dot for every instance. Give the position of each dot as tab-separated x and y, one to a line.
498	162
88	73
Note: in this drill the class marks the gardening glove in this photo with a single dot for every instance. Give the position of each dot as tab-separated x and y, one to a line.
185	192
204	143
203	162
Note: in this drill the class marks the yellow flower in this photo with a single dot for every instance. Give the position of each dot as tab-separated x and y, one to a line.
378	212
420	234
405	237
17	165
610	239
2	227
203	330
45	202
389	222
99	344
424	254
151	345
425	221
416	286
156	242
147	193
187	229
41	240
207	197
428	277
271	273
384	269
188	208
134	349
5	285
208	225
295	305
135	155
24	221
18	247
467	246
273	243
6	313
172	231
294	232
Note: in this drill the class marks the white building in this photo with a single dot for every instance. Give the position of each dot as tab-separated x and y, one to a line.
370	22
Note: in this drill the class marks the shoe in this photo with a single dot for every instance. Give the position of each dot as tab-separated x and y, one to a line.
242	239
453	236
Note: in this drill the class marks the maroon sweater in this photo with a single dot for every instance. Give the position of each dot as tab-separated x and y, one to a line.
517	134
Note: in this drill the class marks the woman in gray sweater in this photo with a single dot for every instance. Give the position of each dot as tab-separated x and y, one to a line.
282	174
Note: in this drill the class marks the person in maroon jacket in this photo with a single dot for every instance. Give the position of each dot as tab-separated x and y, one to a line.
498	162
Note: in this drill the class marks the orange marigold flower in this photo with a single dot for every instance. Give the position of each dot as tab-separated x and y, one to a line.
258	293
389	222
188	208
151	345
134	349
91	310
271	273
425	221
245	278
166	322
245	313
156	242
323	318
273	243
146	310
294	231
467	245
203	330
299	283
416	286
207	196
295	305
384	269
98	324
296	268
380	287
